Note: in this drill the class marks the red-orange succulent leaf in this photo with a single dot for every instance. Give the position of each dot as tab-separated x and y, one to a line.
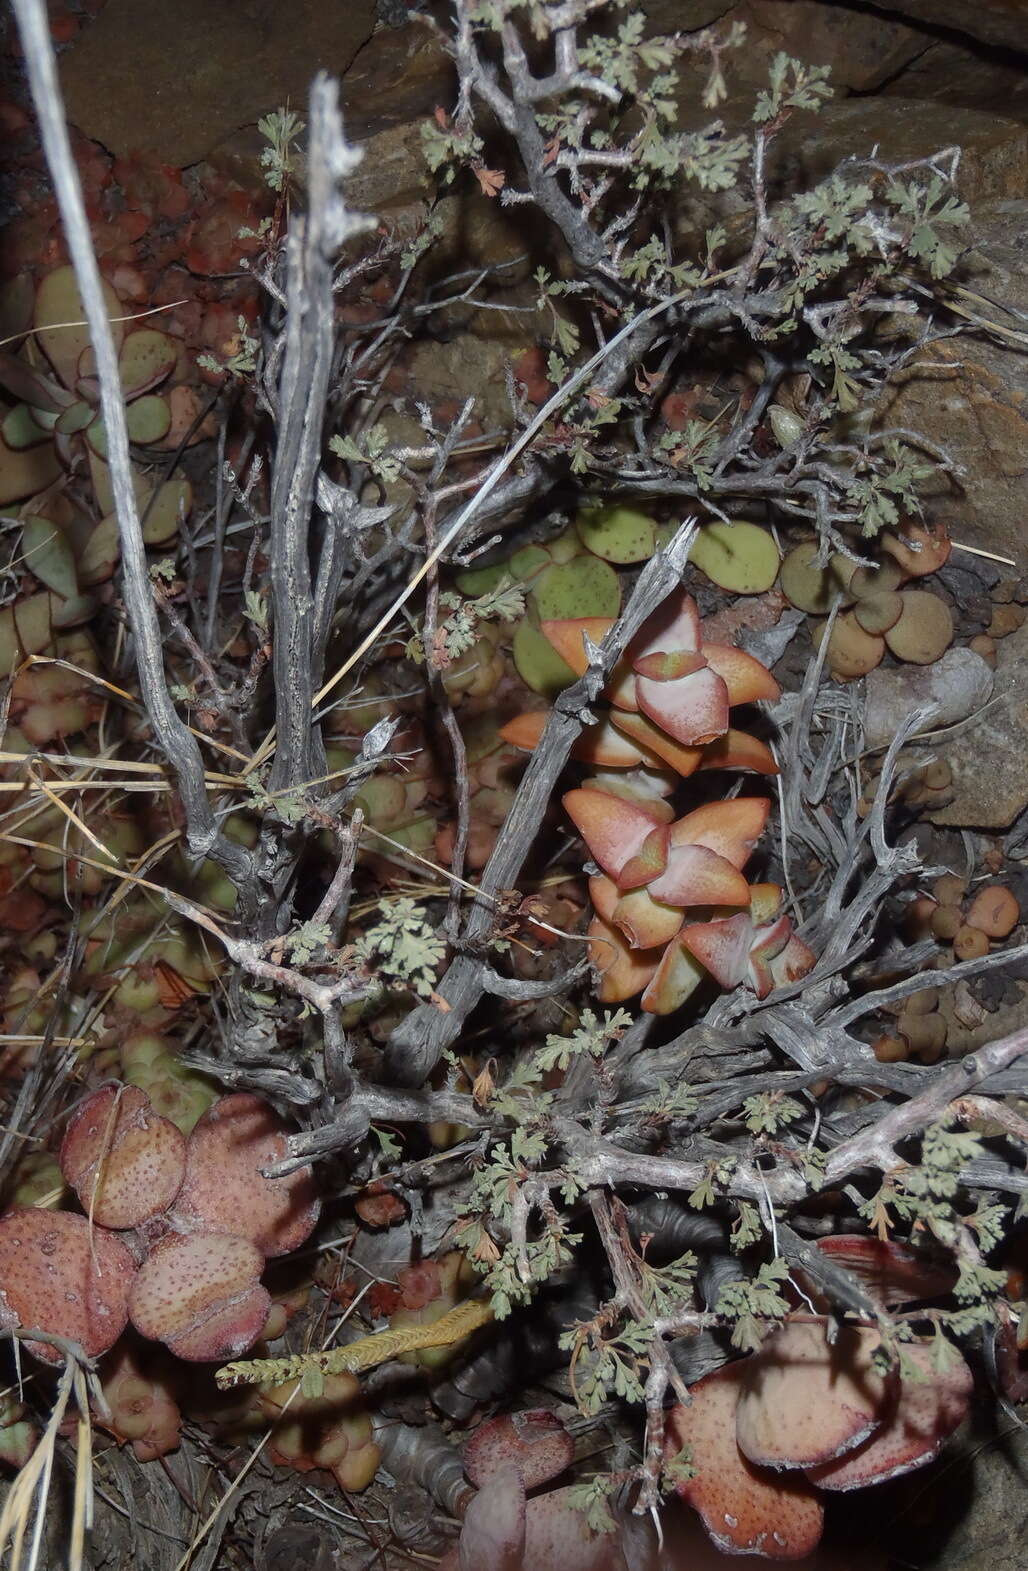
722	947
535	1441
64	1276
684	760
735	750
731	829
697	876
891	1273
649	861
806	1400
675	624
568	636
644	921
744	677
924	1417
225	1189
667	665
795	961
767	944
675	979
201	1296
623	971
745	1510
614	829
692	710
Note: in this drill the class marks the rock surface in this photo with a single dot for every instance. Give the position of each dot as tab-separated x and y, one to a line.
972	1514
989	758
861	49
176	80
959	684
970	395
994	158
989	21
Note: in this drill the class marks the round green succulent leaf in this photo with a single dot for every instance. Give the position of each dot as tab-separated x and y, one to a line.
26	628
526	563
538	663
21	429
96	436
740	557
148	419
162	516
59	318
75	418
618	534
585	586
75	611
48	555
146	358
26	472
813	588
101	552
475	581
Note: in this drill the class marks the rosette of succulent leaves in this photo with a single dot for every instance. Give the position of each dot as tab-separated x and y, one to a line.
381	1019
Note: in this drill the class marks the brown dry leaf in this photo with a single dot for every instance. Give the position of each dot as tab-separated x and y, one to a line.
754	613
967	1008
492	181
484	1084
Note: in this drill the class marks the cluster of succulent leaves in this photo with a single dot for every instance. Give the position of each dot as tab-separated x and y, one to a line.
55	431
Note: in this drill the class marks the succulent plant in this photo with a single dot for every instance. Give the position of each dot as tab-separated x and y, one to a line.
739	557
19	1435
332	1430
153	973
123	1160
503	1527
810	1412
62	1275
141	1405
913	624
491	761
994	911
890	1273
57	417
920	1031
618	534
224	1189
534	1440
671	695
201	1296
38	1180
652	871
970	926
393	802
756	948
176	1092
51	702
428	1291
670	698
562	580
745	1510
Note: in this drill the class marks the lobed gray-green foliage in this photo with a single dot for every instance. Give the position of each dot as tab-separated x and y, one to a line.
813	286
806	281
